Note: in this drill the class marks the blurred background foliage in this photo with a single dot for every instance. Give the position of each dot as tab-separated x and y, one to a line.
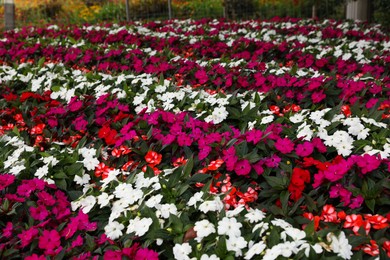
31	12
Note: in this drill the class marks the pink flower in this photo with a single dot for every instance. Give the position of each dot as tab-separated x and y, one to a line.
80	124
75	104
24	190
146	254
27	236
112	255
336	171
371	103
49	240
258	167
317	97
368	163
46	198
7	231
39	213
77	242
201	76
242	167
254	136
272	161
6	180
317	142
35	257
284	145
356	202
184	140
304	149
230	158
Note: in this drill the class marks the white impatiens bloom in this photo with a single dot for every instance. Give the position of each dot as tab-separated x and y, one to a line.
207	257
139	226
340	245
154	201
263	226
219	114
203	228
281	223
167	209
123	190
50	160
114	229
293	233
234	212
255	249
90	163
236	244
104	199
87	203
307	247
230	227
211	205
267	119
197	197
254	215
182	251
82	180
42	172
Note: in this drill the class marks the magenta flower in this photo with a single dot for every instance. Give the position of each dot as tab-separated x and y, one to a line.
6	180
317	97
254	136
77	242
35	257
80	124
242	167
368	163
284	145
273	161
304	149
201	76
112	255
230	158
146	254
39	213
184	140
7	231
45	198
258	167
27	236
75	104
49	240
336	172
25	190
356	202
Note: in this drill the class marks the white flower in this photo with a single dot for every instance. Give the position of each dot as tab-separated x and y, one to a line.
229	227
255	249
203	228
182	251
293	233
234	212
236	244
254	215
51	160
153	201
123	190
90	163
42	172
87	203
267	119
82	180
340	245
307	247
167	209
263	226
139	226
17	169
219	114
114	229
197	197
85	152
211	205
104	199
212	257
281	223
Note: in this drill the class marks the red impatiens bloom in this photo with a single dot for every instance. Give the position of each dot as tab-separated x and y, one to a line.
109	135
153	158
179	161
377	221
297	184
102	170
214	165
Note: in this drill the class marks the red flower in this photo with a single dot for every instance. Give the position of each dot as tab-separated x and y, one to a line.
297	184
214	165
153	158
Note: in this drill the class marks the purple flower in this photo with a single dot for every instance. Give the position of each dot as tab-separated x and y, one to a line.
284	145
6	180
356	202
75	104
146	254
273	161
242	167
304	149
80	124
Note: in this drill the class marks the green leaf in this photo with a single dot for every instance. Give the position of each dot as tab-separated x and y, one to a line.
284	196
199	177
309	229
276	182
355	241
187	169
370	204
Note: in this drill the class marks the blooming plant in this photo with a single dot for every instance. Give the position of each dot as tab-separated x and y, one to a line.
199	139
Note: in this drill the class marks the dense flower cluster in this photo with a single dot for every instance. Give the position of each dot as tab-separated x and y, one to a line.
195	139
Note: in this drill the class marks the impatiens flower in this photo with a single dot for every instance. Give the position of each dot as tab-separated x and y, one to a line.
203	228
146	254
49	240
181	251
255	249
254	215
139	226
114	229
284	145
35	257
6	180
7	231
153	158
368	163
304	149
211	257
236	244
242	167
339	244
27	236
39	213
229	227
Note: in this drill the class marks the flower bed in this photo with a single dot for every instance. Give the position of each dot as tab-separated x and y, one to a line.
195	139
